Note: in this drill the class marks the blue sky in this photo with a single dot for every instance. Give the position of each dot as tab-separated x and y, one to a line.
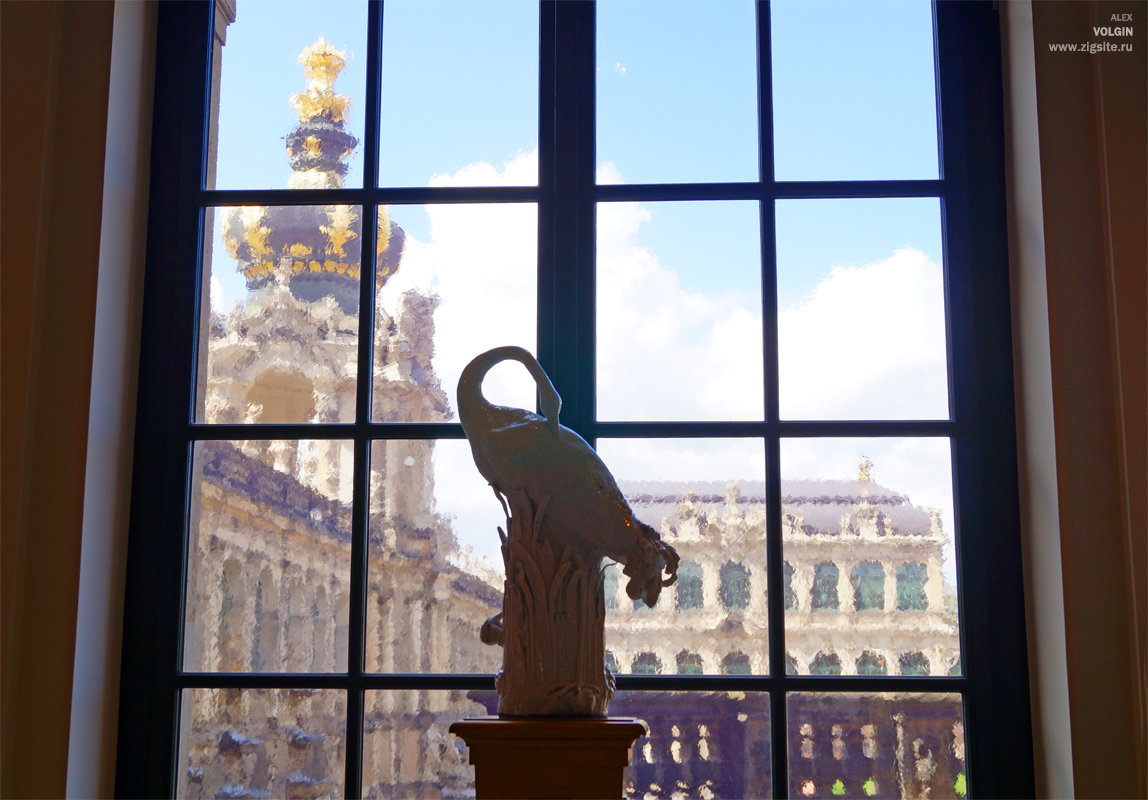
677	101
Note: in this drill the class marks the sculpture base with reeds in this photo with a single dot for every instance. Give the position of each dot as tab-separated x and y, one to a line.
552	623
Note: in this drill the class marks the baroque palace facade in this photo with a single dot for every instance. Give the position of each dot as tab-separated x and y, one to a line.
269	561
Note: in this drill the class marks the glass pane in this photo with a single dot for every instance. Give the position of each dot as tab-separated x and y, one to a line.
460	93
876	745
466	283
268	576
280	333
706	497
701	744
262	743
677	91
278	118
867	531
679	311
853	90
407	749
861	327
436	570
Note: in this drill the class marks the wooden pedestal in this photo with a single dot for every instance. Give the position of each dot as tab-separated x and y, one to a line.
549	758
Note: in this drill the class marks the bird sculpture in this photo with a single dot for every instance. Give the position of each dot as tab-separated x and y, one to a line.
515	449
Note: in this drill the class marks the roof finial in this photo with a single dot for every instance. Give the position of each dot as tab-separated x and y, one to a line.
864	469
322	64
320	144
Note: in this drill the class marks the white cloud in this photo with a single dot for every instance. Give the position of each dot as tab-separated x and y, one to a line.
465	495
868	343
481	260
522	170
665	351
220	299
721	460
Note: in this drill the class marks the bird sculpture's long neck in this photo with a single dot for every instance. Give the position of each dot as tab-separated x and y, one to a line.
471	402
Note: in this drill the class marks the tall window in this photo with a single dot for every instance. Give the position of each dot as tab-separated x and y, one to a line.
824	596
733	590
689	591
759	250
868	582
911	587
869	663
790	594
646	664
689	663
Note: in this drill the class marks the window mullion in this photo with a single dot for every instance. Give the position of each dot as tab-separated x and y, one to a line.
984	457
547	290
775	578
360	503
570	213
146	749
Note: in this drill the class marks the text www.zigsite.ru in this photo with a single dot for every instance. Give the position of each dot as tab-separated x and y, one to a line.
1121	29
1091	47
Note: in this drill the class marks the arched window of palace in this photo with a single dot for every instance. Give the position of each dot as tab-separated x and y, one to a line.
689	663
256	661
911	587
610	587
689	587
646	664
733	591
870	663
790	595
295	628
281	397
825	664
868	582
790	664
230	627
342	616
914	664
824	596
321	631
611	661
735	663
265	637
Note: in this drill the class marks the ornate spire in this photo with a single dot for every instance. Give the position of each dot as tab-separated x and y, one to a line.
319	144
315	249
322	64
864	476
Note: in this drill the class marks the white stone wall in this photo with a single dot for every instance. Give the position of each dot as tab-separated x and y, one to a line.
737	533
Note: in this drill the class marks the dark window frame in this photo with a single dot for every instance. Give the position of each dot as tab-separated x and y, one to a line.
981	426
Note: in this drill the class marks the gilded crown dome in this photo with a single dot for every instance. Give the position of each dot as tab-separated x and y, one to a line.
317	249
